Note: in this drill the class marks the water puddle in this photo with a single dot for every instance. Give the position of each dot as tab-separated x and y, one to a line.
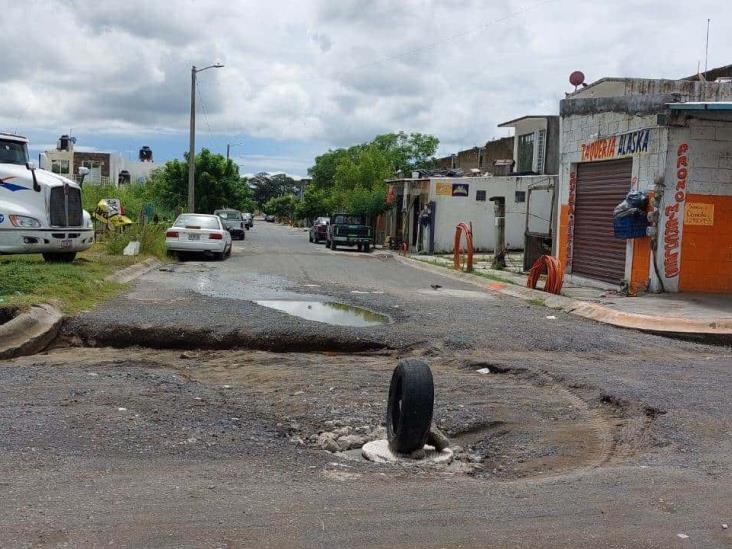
328	312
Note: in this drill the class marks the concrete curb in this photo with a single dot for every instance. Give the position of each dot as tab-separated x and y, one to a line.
34	330
593	311
30	332
132	272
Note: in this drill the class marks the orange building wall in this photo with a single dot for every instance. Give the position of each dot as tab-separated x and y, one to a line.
706	251
639	269
563	236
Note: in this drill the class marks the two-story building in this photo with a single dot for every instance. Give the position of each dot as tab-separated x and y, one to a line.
105	168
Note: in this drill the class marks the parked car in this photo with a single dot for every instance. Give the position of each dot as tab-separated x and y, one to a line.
349	230
248	220
319	230
199	233
269	218
233	221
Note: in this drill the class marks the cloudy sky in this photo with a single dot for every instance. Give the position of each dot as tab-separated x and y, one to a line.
303	76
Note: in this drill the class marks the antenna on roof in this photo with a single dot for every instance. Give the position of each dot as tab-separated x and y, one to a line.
706	50
577	78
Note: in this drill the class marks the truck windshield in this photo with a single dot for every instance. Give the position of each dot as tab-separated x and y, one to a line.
13	152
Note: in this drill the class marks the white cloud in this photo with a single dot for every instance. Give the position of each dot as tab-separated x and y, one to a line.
335	72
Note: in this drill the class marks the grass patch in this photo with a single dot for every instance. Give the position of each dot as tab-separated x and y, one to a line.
537	301
26	280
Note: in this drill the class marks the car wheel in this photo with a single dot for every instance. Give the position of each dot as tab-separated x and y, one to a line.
228	253
410	406
59	257
310	238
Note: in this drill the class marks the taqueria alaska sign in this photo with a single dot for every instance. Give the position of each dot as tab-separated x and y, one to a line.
616	146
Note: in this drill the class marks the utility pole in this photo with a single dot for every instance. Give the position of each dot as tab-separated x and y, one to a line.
192	139
228	148
192	147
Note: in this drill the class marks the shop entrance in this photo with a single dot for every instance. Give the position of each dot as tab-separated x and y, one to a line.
600	187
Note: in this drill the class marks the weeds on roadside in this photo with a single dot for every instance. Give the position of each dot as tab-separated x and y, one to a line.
151	237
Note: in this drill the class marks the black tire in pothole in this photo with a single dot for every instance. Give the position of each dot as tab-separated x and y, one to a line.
410	405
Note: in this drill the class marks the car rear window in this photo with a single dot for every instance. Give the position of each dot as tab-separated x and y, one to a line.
348	220
200	221
230	215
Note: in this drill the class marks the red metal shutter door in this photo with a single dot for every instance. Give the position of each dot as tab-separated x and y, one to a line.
600	187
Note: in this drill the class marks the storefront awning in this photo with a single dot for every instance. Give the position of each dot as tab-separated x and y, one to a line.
701	106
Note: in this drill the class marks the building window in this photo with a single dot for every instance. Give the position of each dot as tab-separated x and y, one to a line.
480	196
525	152
520	197
541	150
95	171
60	167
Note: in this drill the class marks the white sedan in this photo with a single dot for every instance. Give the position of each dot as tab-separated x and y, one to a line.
199	233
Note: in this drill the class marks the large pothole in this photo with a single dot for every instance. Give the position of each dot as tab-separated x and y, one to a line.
504	422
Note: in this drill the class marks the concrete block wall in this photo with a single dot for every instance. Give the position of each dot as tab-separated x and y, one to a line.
696	255
451	210
583	129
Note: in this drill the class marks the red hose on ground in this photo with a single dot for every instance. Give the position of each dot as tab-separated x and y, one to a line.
552	267
461	229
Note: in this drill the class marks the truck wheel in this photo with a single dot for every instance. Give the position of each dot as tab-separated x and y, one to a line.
367	247
59	257
410	405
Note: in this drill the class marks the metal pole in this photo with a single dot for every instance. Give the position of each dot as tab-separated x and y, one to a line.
192	146
706	51
499	248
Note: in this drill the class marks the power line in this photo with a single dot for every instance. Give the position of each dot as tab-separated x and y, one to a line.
203	108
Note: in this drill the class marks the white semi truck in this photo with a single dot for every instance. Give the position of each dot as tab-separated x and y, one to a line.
40	212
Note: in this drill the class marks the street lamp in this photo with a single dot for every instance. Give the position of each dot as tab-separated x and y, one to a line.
192	144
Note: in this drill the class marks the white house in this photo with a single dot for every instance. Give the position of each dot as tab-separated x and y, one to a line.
105	168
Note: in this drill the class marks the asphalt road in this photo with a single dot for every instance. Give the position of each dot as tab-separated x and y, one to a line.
133	446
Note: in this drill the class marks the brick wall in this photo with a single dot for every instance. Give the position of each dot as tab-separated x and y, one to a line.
102	158
470	159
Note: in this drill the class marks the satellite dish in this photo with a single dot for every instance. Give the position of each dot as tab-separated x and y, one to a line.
577	78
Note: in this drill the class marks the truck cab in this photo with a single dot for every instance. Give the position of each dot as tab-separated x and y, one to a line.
40	212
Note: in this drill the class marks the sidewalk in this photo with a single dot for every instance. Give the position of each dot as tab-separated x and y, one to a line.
707	316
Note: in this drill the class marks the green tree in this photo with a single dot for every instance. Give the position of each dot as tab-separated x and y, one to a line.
282	207
218	184
266	186
315	202
403	152
408	152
